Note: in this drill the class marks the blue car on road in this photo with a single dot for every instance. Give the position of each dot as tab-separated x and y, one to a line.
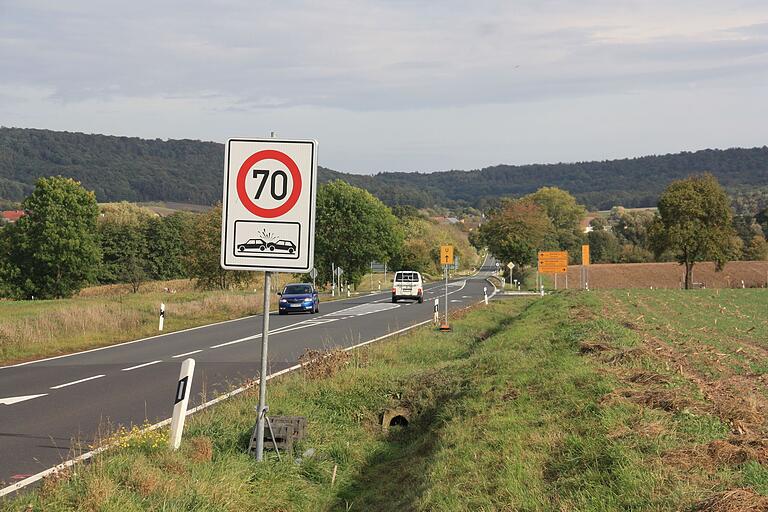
299	297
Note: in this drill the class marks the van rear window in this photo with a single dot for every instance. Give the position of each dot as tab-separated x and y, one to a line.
406	277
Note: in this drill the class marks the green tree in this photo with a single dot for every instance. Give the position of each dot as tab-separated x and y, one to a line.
599	224
8	271
757	250
603	246
121	228
166	250
124	251
203	259
762	220
353	228
631	227
694	221
565	214
53	250
516	232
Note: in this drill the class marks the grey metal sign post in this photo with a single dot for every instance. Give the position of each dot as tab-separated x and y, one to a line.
263	370
268	222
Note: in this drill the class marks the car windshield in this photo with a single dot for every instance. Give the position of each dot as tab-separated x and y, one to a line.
293	289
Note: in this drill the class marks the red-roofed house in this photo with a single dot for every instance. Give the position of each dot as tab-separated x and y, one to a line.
11	215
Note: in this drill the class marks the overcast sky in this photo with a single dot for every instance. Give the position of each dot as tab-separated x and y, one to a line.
397	85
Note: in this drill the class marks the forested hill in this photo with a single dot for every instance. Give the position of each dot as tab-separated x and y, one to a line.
133	169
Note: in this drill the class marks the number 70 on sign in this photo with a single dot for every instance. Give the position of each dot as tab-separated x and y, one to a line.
278	187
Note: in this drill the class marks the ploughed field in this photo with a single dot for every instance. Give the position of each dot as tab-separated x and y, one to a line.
670	275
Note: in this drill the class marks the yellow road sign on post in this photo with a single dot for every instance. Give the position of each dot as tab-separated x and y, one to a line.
553	262
585	254
446	255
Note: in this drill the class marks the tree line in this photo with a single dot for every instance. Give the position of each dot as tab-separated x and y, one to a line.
133	169
694	221
67	241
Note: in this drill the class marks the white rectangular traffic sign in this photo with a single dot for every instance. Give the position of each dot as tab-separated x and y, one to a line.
268	211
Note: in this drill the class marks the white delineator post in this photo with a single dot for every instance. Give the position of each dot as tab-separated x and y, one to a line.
436	314
162	316
485	294
181	400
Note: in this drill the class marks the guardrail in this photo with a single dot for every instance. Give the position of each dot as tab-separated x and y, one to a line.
498	284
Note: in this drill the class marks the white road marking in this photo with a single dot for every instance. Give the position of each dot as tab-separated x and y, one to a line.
235	341
141	365
187	353
16	399
363	309
77	382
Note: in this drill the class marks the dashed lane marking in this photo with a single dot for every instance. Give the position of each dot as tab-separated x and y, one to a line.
141	365
187	353
76	382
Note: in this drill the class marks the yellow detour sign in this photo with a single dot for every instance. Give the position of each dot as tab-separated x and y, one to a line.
553	262
585	255
446	255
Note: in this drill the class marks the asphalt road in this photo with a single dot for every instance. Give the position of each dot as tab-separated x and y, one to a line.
132	382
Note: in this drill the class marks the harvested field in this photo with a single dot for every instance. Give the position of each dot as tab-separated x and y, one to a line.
670	275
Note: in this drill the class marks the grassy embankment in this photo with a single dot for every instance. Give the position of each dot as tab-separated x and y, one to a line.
602	401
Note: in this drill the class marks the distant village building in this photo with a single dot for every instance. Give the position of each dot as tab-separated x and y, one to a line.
11	216
447	220
585	223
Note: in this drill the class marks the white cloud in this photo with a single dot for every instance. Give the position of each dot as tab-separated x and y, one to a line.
340	70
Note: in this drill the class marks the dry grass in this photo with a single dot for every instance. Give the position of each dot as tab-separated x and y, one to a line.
68	321
658	398
590	347
316	364
43	328
736	500
201	449
733	451
99	490
111	290
647	377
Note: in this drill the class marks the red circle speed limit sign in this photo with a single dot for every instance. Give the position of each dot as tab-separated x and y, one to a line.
268	210
274	183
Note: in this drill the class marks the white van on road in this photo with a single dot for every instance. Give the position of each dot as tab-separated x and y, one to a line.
408	285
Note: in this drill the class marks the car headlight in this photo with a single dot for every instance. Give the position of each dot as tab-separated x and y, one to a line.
307	300
283	301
